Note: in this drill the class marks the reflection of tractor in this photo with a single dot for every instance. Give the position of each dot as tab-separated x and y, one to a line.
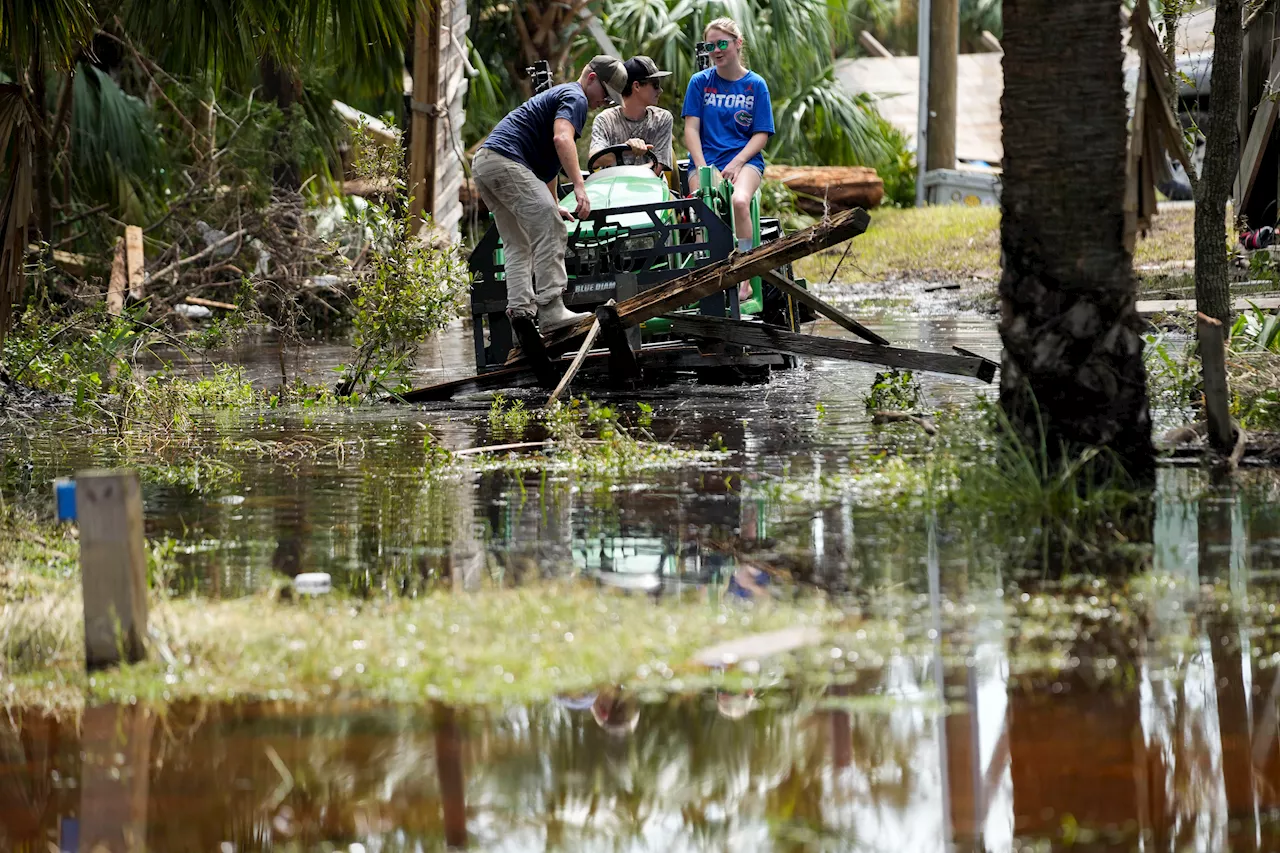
640	233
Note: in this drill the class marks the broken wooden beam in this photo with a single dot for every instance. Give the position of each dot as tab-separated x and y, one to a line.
714	278
587	343
761	336
826	309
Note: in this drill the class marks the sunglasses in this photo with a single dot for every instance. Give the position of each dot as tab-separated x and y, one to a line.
657	85
723	44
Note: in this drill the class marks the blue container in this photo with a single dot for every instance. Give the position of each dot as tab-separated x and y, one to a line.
64	493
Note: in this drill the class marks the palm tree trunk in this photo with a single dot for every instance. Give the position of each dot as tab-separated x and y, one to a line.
282	86
1213	295
43	173
1072	372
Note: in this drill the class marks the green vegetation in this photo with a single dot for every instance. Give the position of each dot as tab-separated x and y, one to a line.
894	389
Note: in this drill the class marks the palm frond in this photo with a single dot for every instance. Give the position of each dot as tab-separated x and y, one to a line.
17	144
113	143
58	27
823	123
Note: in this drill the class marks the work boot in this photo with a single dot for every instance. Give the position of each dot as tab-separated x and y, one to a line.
554	315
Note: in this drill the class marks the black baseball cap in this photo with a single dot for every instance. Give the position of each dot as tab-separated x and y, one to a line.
641	68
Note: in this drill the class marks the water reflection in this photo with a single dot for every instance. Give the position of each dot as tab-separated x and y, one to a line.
1161	733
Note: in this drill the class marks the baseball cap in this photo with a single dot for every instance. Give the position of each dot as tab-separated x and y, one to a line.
640	68
612	73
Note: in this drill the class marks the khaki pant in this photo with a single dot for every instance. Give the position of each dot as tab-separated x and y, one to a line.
533	234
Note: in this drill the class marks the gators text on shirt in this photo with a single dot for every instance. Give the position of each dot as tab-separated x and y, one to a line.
731	111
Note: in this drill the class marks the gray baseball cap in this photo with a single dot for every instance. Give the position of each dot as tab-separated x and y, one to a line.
612	74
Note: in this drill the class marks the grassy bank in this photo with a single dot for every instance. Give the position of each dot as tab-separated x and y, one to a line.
955	243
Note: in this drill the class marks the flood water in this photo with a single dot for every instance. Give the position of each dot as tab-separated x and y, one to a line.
1158	732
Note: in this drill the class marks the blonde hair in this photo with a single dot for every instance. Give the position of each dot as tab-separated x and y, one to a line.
724	25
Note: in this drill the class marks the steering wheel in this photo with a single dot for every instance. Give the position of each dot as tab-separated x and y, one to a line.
617	151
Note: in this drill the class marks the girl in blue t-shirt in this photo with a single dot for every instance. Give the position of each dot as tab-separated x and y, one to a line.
728	120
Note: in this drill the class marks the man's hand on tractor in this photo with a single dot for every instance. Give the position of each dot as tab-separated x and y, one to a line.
638	146
584	203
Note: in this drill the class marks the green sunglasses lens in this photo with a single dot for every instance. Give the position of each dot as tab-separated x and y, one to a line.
723	44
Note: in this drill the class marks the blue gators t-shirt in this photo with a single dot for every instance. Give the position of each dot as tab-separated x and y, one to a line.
525	135
731	112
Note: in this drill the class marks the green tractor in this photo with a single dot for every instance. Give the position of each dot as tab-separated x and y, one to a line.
640	234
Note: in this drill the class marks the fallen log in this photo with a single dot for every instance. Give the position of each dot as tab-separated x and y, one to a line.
841	187
714	278
760	336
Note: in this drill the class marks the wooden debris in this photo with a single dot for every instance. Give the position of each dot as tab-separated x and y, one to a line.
761	336
134	261
203	253
826	309
119	281
1155	129
587	343
1256	147
831	187
209	303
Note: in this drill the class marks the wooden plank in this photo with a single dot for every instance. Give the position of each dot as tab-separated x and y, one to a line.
119	281
826	309
714	278
113	567
1217	401
1150	307
760	336
587	343
1256	147
134	260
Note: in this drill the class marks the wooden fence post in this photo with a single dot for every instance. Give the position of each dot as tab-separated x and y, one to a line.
113	567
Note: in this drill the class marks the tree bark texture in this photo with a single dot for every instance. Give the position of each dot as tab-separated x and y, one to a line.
1221	161
1072	370
43	164
281	85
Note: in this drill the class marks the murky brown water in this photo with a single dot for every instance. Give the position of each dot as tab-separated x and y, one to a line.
1169	745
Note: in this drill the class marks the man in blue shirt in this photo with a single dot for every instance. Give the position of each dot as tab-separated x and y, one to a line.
515	172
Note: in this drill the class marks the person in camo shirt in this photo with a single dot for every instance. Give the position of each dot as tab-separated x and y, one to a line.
639	122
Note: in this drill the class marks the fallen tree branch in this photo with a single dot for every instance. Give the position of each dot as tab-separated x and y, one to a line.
203	253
